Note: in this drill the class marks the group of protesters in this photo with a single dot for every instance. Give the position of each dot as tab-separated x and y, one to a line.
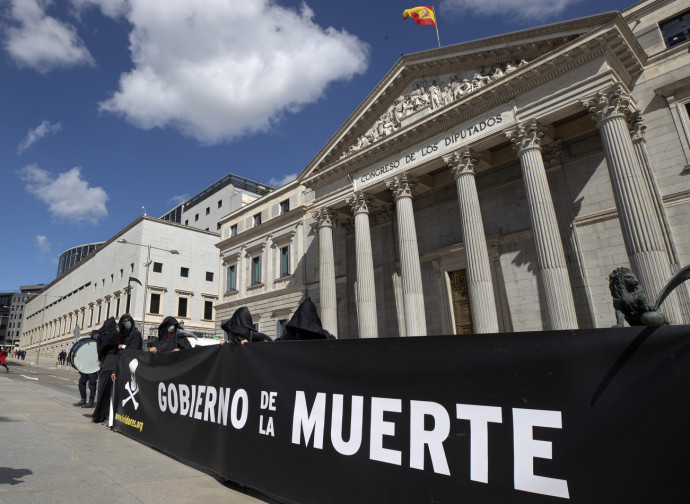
115	337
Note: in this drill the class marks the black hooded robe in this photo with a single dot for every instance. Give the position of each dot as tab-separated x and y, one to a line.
305	324
167	342
240	326
109	354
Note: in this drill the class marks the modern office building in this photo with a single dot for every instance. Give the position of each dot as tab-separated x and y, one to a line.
489	186
16	313
5	302
204	210
157	267
72	256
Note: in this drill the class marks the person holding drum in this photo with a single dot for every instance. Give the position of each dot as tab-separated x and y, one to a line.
169	338
87	365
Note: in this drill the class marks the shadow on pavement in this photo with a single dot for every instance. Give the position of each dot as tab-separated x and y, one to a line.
9	476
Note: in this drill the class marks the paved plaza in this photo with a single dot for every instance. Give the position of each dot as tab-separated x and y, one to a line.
52	453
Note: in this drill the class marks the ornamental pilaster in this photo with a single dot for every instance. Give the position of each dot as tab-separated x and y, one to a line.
480	285
526	140
413	294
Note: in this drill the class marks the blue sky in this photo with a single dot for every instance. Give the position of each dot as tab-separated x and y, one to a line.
110	105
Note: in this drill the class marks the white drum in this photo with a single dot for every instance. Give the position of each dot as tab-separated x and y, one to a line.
85	356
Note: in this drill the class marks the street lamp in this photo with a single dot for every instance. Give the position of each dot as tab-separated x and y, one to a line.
146	279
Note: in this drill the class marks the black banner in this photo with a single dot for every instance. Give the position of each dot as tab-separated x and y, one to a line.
587	416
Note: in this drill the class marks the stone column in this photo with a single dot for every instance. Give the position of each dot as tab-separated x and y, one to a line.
682	302
329	311
413	294
641	233
526	139
366	292
479	282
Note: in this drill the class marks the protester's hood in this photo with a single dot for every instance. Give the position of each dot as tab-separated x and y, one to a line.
163	328
108	337
242	325
305	324
121	323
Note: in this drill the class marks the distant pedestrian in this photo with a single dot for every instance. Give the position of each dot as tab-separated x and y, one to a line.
3	358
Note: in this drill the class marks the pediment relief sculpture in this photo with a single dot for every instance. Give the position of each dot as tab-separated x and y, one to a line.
427	95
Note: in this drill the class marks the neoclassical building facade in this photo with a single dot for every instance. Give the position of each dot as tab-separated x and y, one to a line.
489	186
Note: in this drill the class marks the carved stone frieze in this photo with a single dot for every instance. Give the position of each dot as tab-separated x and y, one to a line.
461	161
359	202
611	103
526	136
429	95
401	185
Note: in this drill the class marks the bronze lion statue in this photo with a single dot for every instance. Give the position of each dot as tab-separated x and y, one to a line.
630	301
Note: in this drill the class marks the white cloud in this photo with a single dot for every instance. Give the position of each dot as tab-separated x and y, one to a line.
176	200
43	129
521	11
43	244
220	69
68	196
42	42
280	182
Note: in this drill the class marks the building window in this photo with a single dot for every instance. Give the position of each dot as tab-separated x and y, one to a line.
182	307
121	273
208	310
676	30
155	306
208	210
209	276
280	327
285	260
256	270
131	268
157	267
220	203
100	309
257	219
284	206
231	278
186	222
217	226
184	272
233	230
196	217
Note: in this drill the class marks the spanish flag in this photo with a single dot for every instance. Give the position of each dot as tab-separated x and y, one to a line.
422	15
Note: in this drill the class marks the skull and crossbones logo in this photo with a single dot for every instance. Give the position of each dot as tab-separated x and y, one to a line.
131	386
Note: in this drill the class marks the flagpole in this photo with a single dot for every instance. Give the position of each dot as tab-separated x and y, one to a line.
433	7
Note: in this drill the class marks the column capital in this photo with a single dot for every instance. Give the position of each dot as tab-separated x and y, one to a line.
384	214
324	217
401	185
359	202
636	126
526	136
461	161
348	225
614	102
552	154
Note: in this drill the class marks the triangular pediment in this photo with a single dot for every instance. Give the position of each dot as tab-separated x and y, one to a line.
423	85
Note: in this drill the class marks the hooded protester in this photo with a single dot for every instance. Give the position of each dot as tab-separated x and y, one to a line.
108	342
170	337
305	324
240	328
132	336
